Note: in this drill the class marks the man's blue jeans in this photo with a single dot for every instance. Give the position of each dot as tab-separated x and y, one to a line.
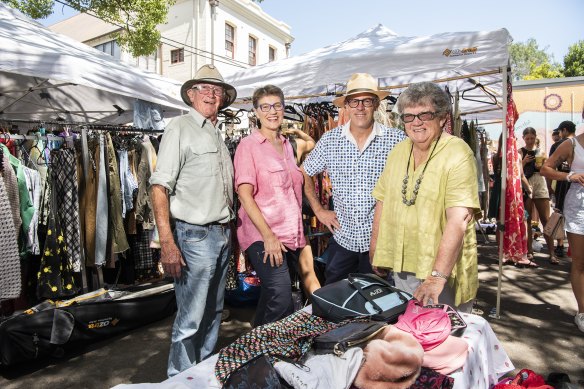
199	293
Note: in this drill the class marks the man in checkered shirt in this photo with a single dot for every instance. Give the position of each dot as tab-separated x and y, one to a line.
354	156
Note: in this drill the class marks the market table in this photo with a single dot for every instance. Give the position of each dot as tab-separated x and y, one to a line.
486	363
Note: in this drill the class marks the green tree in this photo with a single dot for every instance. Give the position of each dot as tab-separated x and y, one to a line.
574	60
527	56
137	19
545	70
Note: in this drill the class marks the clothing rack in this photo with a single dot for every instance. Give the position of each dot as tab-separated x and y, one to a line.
91	126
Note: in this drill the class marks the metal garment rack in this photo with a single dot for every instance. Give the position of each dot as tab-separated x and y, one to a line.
85	156
81	129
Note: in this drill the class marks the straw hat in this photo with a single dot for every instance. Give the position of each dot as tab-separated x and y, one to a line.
360	83
208	74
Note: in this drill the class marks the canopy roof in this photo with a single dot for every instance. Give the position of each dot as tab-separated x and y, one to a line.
395	61
46	76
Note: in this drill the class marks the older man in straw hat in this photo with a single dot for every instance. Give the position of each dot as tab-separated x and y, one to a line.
354	156
192	185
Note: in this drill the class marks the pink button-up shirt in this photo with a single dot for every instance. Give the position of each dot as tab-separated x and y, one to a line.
277	190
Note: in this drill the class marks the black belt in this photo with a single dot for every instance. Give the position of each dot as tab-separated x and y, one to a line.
226	224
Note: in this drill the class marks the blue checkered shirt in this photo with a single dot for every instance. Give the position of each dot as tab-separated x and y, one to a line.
353	175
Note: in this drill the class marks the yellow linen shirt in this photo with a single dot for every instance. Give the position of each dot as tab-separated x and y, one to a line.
409	237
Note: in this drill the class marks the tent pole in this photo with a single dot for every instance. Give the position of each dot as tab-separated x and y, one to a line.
501	229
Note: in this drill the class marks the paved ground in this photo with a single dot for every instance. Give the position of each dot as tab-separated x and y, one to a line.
536	329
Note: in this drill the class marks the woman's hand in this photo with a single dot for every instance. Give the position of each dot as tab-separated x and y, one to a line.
429	290
527	159
577	178
274	250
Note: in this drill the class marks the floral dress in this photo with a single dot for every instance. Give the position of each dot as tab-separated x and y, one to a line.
55	276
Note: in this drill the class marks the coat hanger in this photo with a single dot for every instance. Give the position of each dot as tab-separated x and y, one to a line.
291	113
492	99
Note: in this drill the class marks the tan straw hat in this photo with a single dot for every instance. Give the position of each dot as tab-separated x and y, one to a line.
360	83
208	74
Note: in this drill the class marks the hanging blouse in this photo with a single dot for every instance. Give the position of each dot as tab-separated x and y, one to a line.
33	183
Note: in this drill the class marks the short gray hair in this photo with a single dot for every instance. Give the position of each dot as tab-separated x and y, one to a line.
425	93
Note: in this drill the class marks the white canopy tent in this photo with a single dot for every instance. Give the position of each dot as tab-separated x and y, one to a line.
459	60
47	76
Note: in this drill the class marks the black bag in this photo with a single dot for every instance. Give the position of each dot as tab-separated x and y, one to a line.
340	339
360	295
257	373
49	331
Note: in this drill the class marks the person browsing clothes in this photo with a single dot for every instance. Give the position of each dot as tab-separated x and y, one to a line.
354	156
427	197
269	224
572	152
192	186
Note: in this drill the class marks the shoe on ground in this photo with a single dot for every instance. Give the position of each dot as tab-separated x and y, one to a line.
559	251
579	320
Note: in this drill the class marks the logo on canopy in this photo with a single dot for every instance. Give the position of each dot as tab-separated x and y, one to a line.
459	52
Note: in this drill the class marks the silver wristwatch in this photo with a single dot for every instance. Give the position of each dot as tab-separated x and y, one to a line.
436	273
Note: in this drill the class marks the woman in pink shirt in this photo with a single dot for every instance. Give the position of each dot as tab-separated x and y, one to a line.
269	224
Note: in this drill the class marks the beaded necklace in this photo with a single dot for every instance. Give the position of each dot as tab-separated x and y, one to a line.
412	201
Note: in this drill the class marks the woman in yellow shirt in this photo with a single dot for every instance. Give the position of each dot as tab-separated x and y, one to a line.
427	197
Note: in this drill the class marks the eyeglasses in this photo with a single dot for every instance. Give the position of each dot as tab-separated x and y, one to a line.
423	116
208	90
368	102
268	107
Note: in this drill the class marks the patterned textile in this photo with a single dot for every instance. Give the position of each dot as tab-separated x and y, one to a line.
64	180
353	175
515	235
10	282
145	258
55	277
290	337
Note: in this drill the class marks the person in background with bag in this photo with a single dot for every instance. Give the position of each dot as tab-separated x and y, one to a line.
427	198
193	186
532	161
269	225
354	156
572	151
302	144
566	130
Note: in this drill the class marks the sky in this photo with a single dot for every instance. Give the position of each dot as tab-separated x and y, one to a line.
555	25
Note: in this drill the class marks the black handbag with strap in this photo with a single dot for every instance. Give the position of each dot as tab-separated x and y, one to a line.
360	295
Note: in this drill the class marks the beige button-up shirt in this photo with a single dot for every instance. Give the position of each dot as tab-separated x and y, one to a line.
195	166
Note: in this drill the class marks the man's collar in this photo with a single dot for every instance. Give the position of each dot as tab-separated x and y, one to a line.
345	129
199	119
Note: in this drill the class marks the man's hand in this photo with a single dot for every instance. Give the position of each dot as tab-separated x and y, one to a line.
171	259
274	250
329	219
429	290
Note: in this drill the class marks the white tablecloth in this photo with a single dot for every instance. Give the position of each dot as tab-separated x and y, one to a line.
487	361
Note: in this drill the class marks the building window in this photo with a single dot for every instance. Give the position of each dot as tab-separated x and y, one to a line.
177	56
252	50
271	54
112	48
229	41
